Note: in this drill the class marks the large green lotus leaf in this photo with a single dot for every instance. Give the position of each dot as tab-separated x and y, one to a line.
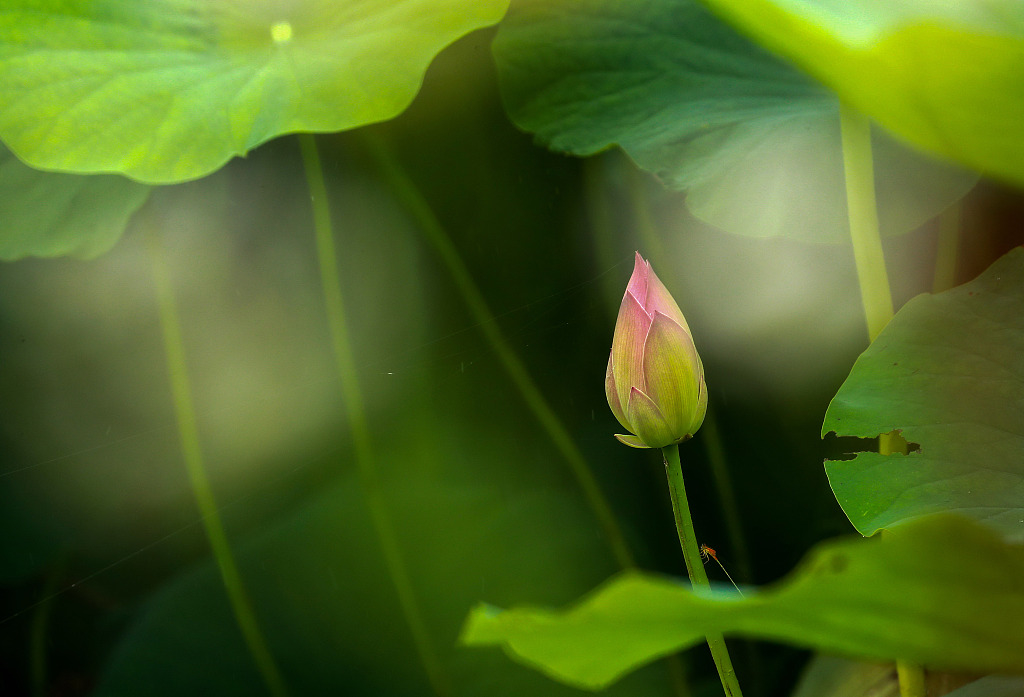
948	371
946	76
169	90
940	591
46	214
754	141
329	610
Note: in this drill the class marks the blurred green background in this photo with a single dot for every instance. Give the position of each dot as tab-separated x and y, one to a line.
104	567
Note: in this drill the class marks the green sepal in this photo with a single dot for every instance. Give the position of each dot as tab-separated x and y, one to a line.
631	441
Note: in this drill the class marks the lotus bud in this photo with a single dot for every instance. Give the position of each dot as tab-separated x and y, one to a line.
655	380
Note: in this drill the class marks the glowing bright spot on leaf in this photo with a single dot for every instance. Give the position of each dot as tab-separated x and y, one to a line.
237	95
281	32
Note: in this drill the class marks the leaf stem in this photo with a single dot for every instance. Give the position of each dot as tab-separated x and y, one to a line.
188	436
38	639
860	202
357	423
858	163
911	679
407	192
694	564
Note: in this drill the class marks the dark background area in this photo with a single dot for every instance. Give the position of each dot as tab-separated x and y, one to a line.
103	558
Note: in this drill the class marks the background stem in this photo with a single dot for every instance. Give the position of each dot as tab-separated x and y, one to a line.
694	564
39	633
369	478
188	435
874	284
406	191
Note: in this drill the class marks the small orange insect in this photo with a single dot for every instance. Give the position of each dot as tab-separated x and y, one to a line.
708	553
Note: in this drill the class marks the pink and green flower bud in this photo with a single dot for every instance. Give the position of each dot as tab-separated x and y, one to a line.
655	380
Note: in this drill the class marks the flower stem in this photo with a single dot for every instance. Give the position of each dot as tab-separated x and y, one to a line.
406	190
369	477
858	164
694	565
188	435
601	223
643	222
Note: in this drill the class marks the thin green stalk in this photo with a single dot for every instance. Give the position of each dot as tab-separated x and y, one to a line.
860	201
188	435
599	211
407	192
38	633
874	283
647	231
369	477
946	250
730	510
694	564
911	679
710	435
37	647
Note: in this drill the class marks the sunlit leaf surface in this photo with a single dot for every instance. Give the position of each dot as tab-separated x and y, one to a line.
753	141
948	372
940	591
46	214
946	76
169	90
